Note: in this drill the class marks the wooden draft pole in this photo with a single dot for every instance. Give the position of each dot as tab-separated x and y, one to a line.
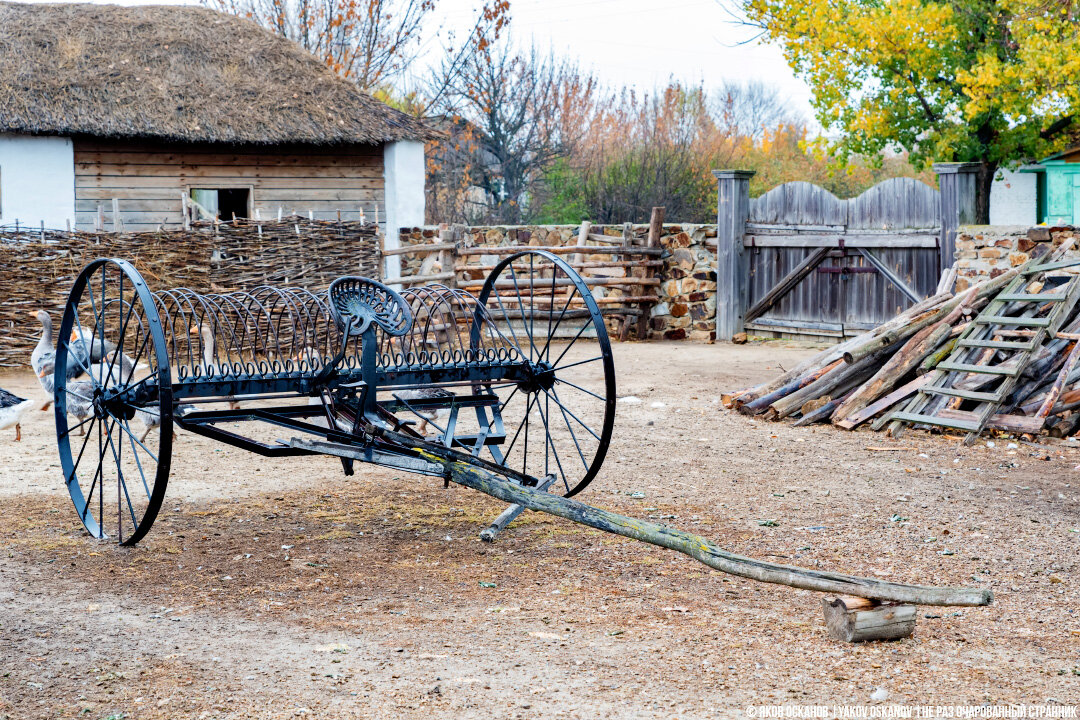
695	546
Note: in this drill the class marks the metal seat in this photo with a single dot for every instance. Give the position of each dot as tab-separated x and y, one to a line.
357	302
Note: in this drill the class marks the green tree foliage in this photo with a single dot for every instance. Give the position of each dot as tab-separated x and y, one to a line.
989	81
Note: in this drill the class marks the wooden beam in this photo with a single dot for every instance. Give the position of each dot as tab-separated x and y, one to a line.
890	275
786	284
833	241
855	419
564	250
419	249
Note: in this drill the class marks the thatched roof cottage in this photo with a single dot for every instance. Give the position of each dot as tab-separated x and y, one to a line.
155	105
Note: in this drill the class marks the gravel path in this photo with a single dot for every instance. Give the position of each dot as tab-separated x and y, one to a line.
279	589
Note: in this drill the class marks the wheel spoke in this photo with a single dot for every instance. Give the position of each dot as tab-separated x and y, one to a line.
562	314
101	475
573	340
521	306
555	397
573	436
123	331
86	439
510	397
143	381
84	365
527	411
69	391
587	392
509	324
579	362
68	431
135	454
126	429
547	343
525	453
554	450
122	486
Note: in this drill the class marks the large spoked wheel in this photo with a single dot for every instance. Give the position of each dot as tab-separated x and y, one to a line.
559	420
113	402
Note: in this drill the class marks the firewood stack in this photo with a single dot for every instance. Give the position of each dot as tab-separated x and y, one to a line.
1002	355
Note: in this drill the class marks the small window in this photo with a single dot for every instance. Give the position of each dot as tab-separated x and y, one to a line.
224	203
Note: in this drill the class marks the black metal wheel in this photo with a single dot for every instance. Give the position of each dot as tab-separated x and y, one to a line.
115	474
559	420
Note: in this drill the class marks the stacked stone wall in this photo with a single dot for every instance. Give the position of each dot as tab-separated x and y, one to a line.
986	251
686	308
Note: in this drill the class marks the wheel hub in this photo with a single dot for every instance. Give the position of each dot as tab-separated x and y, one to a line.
541	376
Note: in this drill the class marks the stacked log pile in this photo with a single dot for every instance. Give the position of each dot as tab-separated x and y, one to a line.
866	378
38	267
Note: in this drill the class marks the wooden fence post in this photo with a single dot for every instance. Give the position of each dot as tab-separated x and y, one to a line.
957	184
656	229
732	283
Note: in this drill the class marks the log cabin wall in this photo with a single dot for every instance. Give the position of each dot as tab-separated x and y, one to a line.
148	178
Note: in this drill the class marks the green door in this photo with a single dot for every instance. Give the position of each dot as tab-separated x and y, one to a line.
1076	199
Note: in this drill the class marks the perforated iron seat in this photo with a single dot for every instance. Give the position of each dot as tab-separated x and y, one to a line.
357	302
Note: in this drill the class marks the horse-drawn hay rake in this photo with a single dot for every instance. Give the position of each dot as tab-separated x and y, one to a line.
510	392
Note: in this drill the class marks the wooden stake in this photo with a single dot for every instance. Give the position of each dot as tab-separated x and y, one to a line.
656	229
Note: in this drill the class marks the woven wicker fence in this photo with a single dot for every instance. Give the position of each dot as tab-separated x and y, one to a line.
37	268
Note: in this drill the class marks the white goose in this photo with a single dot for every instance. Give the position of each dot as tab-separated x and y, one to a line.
80	401
12	409
43	357
209	351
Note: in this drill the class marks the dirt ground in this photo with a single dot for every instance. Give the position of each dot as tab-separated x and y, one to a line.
274	588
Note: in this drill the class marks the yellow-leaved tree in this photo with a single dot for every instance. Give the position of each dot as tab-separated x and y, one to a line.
995	82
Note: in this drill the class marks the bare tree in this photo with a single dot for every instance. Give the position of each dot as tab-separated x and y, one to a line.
370	42
752	109
509	115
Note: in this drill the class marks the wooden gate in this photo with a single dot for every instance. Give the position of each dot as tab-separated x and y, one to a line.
810	263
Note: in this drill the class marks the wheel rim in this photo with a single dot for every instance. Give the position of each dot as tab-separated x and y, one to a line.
560	420
115	473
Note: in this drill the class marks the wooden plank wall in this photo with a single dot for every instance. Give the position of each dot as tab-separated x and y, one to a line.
898	220
148	178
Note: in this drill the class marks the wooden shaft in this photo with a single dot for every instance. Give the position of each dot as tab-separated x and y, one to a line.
762	403
563	282
1059	383
418	279
576	265
562	250
702	549
419	249
511	513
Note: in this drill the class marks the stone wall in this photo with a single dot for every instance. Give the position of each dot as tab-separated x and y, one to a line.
986	251
687	306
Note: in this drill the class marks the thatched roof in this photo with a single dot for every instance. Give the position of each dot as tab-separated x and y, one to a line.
180	73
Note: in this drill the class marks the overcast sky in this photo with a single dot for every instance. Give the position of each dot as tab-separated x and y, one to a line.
645	42
638	42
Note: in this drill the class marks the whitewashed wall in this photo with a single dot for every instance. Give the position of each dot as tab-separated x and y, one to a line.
1013	199
37	181
404	175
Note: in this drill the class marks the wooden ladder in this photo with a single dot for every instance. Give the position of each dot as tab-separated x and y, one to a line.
1030	319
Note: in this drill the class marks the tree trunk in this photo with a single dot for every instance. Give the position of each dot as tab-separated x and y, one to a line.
984	180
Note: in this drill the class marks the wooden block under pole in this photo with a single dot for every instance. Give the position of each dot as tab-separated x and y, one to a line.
855	619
